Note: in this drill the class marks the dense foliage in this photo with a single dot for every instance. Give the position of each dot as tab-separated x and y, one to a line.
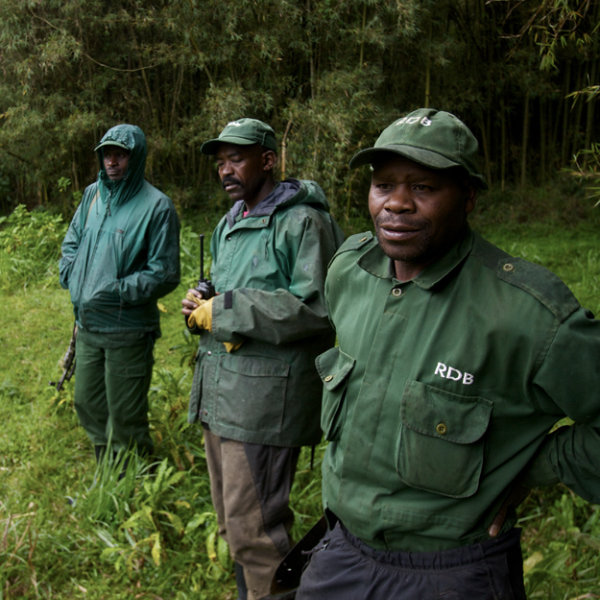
328	74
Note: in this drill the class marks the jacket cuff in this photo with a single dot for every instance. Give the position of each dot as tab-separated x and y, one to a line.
223	318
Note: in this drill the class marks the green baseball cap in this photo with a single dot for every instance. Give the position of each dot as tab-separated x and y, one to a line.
433	138
243	132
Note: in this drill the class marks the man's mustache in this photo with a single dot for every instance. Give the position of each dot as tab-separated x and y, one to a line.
230	181
399	222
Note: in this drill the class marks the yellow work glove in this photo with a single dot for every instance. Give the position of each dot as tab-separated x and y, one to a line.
202	316
197	299
231	346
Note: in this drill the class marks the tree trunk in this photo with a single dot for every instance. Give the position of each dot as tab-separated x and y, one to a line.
503	150
589	124
543	140
564	148
525	137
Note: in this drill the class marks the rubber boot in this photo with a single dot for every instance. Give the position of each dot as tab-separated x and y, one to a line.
240	581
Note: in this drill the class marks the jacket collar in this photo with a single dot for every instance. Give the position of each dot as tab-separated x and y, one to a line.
377	263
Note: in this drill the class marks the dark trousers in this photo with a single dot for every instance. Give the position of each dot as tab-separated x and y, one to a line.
250	487
343	567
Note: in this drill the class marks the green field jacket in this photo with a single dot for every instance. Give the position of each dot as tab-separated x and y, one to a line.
121	251
443	390
269	270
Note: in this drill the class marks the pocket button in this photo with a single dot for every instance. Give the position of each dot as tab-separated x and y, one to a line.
441	428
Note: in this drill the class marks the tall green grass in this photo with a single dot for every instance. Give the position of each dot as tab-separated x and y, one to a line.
70	530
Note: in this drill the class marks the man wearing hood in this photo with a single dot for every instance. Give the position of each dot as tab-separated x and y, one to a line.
256	390
120	254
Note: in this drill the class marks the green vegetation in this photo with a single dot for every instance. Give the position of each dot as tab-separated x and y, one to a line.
153	535
327	74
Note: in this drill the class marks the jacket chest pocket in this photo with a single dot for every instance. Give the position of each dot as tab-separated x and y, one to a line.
441	442
100	286
334	368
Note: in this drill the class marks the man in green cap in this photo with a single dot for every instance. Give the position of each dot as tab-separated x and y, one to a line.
255	390
454	362
119	256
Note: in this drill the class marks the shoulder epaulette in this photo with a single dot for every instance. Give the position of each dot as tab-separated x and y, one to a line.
540	283
356	242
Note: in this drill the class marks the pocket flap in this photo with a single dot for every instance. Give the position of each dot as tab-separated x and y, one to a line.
441	414
333	367
254	366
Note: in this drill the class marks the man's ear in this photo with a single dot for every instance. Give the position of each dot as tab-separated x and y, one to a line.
269	160
470	199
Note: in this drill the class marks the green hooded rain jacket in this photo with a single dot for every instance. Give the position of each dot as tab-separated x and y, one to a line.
269	270
121	251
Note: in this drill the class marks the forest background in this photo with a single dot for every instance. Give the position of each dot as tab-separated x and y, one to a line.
328	75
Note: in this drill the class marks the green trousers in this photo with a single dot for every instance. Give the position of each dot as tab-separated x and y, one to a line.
112	378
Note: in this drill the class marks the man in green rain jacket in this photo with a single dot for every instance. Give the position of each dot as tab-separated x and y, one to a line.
120	254
454	362
255	388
